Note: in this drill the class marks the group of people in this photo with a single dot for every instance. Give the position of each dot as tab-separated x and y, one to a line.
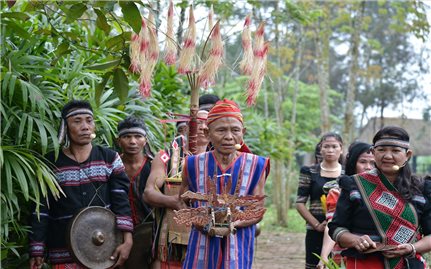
369	210
142	189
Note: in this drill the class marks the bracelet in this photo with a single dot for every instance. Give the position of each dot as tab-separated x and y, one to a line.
337	234
413	253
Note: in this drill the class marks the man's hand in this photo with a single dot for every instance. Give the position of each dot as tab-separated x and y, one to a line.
36	262
121	253
179	203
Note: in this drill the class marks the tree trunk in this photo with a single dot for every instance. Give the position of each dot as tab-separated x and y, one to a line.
349	123
322	34
157	15
281	179
276	190
292	138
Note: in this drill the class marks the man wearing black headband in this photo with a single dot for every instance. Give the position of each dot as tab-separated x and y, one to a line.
137	157
89	175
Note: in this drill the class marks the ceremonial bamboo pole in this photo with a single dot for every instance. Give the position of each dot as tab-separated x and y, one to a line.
194	107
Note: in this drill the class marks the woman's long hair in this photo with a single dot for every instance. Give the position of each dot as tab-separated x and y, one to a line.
407	184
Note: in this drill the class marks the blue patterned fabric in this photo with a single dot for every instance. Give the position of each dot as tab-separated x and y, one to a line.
236	250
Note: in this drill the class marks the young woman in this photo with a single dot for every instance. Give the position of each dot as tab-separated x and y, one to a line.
383	216
359	159
311	181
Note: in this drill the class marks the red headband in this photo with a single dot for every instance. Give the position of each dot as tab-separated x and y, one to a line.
224	108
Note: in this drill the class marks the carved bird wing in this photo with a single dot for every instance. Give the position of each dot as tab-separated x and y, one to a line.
189	216
248	214
195	196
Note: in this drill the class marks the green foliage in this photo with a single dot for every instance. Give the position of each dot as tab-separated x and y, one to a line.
330	264
131	15
50	55
295	223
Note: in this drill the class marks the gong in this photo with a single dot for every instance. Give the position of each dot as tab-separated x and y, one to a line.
93	237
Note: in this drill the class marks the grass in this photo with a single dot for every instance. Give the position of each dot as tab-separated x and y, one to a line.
295	223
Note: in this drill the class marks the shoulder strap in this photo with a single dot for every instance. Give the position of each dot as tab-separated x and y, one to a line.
370	208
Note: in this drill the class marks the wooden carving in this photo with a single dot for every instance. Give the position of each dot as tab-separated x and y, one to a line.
219	212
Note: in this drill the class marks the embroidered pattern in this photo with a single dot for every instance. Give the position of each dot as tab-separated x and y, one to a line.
388	200
76	176
394	218
403	234
125	223
37	248
59	255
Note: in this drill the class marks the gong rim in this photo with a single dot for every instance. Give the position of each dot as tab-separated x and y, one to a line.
93	237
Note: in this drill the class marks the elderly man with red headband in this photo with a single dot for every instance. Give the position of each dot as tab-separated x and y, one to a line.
228	161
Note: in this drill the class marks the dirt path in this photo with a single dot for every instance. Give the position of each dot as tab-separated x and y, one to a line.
280	251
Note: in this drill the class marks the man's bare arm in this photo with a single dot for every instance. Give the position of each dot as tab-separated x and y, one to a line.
156	179
184	181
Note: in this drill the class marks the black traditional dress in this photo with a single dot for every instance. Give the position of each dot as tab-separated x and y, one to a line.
310	187
398	221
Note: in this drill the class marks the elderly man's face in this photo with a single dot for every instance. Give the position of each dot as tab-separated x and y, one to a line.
224	133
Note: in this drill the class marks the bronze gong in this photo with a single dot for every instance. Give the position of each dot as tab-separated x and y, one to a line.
93	237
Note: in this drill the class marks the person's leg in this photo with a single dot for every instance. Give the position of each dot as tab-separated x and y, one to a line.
313	244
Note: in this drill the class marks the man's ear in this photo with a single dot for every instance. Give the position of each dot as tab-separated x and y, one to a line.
244	130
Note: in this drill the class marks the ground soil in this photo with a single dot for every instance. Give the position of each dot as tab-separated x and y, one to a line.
277	250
